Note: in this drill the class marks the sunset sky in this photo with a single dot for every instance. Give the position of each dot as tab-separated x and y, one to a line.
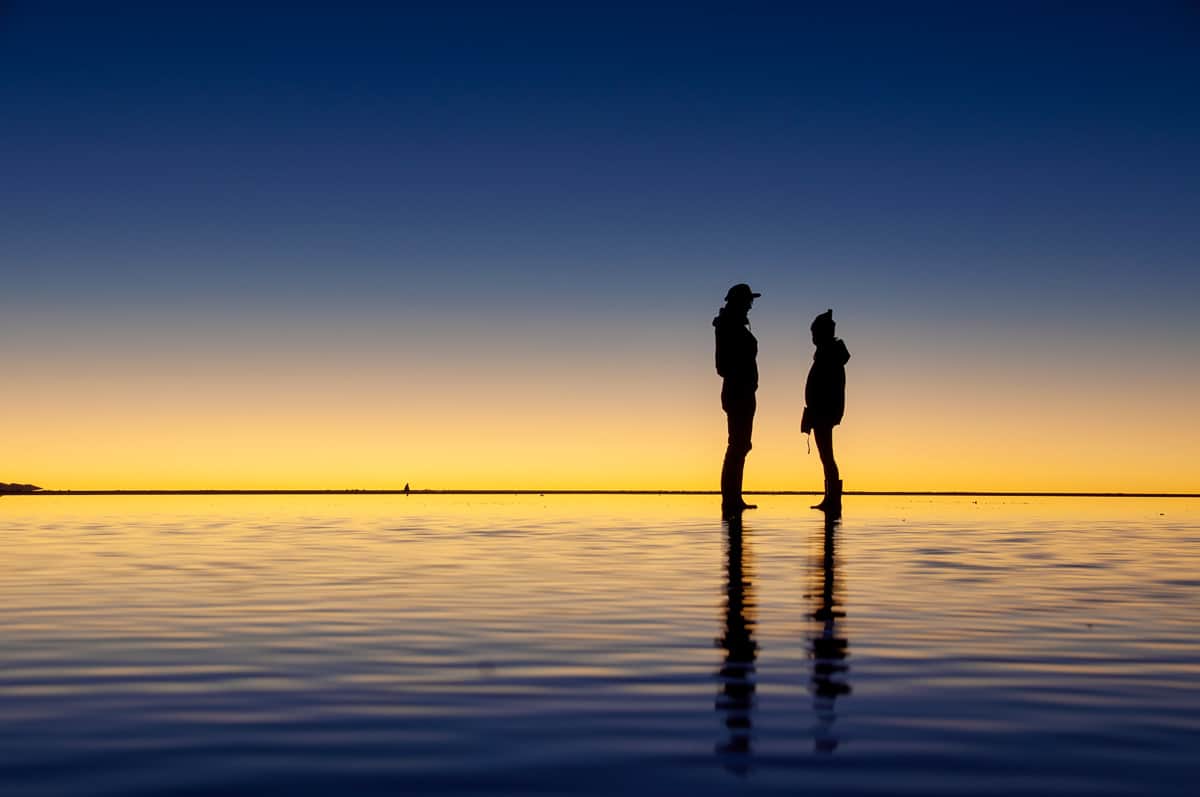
480	246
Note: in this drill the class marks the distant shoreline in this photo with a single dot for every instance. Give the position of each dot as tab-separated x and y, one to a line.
909	493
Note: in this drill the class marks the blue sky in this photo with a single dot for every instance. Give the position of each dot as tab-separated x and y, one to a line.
519	146
950	176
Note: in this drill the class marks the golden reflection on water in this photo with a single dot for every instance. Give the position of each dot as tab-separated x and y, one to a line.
592	626
342	561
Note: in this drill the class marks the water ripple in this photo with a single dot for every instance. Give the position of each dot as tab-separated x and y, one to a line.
383	644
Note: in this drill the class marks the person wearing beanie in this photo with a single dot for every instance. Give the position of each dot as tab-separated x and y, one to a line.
825	403
737	353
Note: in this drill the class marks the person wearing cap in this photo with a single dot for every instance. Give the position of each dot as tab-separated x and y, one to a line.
737	354
825	403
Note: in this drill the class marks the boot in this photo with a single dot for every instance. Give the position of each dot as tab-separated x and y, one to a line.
731	496
739	503
734	505
834	509
833	497
825	498
731	487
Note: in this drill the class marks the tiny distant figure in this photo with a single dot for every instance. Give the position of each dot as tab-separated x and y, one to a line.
737	354
825	403
406	488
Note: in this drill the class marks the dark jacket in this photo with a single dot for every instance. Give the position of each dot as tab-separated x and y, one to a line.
737	350
825	390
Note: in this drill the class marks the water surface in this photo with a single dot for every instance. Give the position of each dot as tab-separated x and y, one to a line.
597	645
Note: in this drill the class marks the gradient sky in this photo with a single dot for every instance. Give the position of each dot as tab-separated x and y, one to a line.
336	245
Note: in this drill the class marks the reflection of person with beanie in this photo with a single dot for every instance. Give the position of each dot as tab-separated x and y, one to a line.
737	353
825	403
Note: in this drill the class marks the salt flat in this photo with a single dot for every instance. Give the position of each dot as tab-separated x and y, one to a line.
598	644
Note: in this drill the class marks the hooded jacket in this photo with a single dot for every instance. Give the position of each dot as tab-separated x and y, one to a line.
737	350
825	390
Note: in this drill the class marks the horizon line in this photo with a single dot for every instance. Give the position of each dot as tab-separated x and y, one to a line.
915	493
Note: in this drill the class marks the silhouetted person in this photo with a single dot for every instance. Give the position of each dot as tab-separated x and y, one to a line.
735	700
827	649
737	354
825	403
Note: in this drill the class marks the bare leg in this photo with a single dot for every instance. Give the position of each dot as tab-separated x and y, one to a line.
824	438
831	504
739	409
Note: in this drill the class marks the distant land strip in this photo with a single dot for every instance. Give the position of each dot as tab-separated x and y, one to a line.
914	493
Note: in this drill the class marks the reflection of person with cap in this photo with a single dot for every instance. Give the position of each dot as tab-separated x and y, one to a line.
825	403
737	353
735	701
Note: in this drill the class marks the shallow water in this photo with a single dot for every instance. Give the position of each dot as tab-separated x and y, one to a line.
597	644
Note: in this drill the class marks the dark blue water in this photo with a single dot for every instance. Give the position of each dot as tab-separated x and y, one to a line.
598	645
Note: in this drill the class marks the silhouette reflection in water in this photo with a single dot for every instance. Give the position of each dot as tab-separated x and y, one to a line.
735	699
827	647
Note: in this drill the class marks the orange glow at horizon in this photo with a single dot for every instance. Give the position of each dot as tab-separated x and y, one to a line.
296	422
